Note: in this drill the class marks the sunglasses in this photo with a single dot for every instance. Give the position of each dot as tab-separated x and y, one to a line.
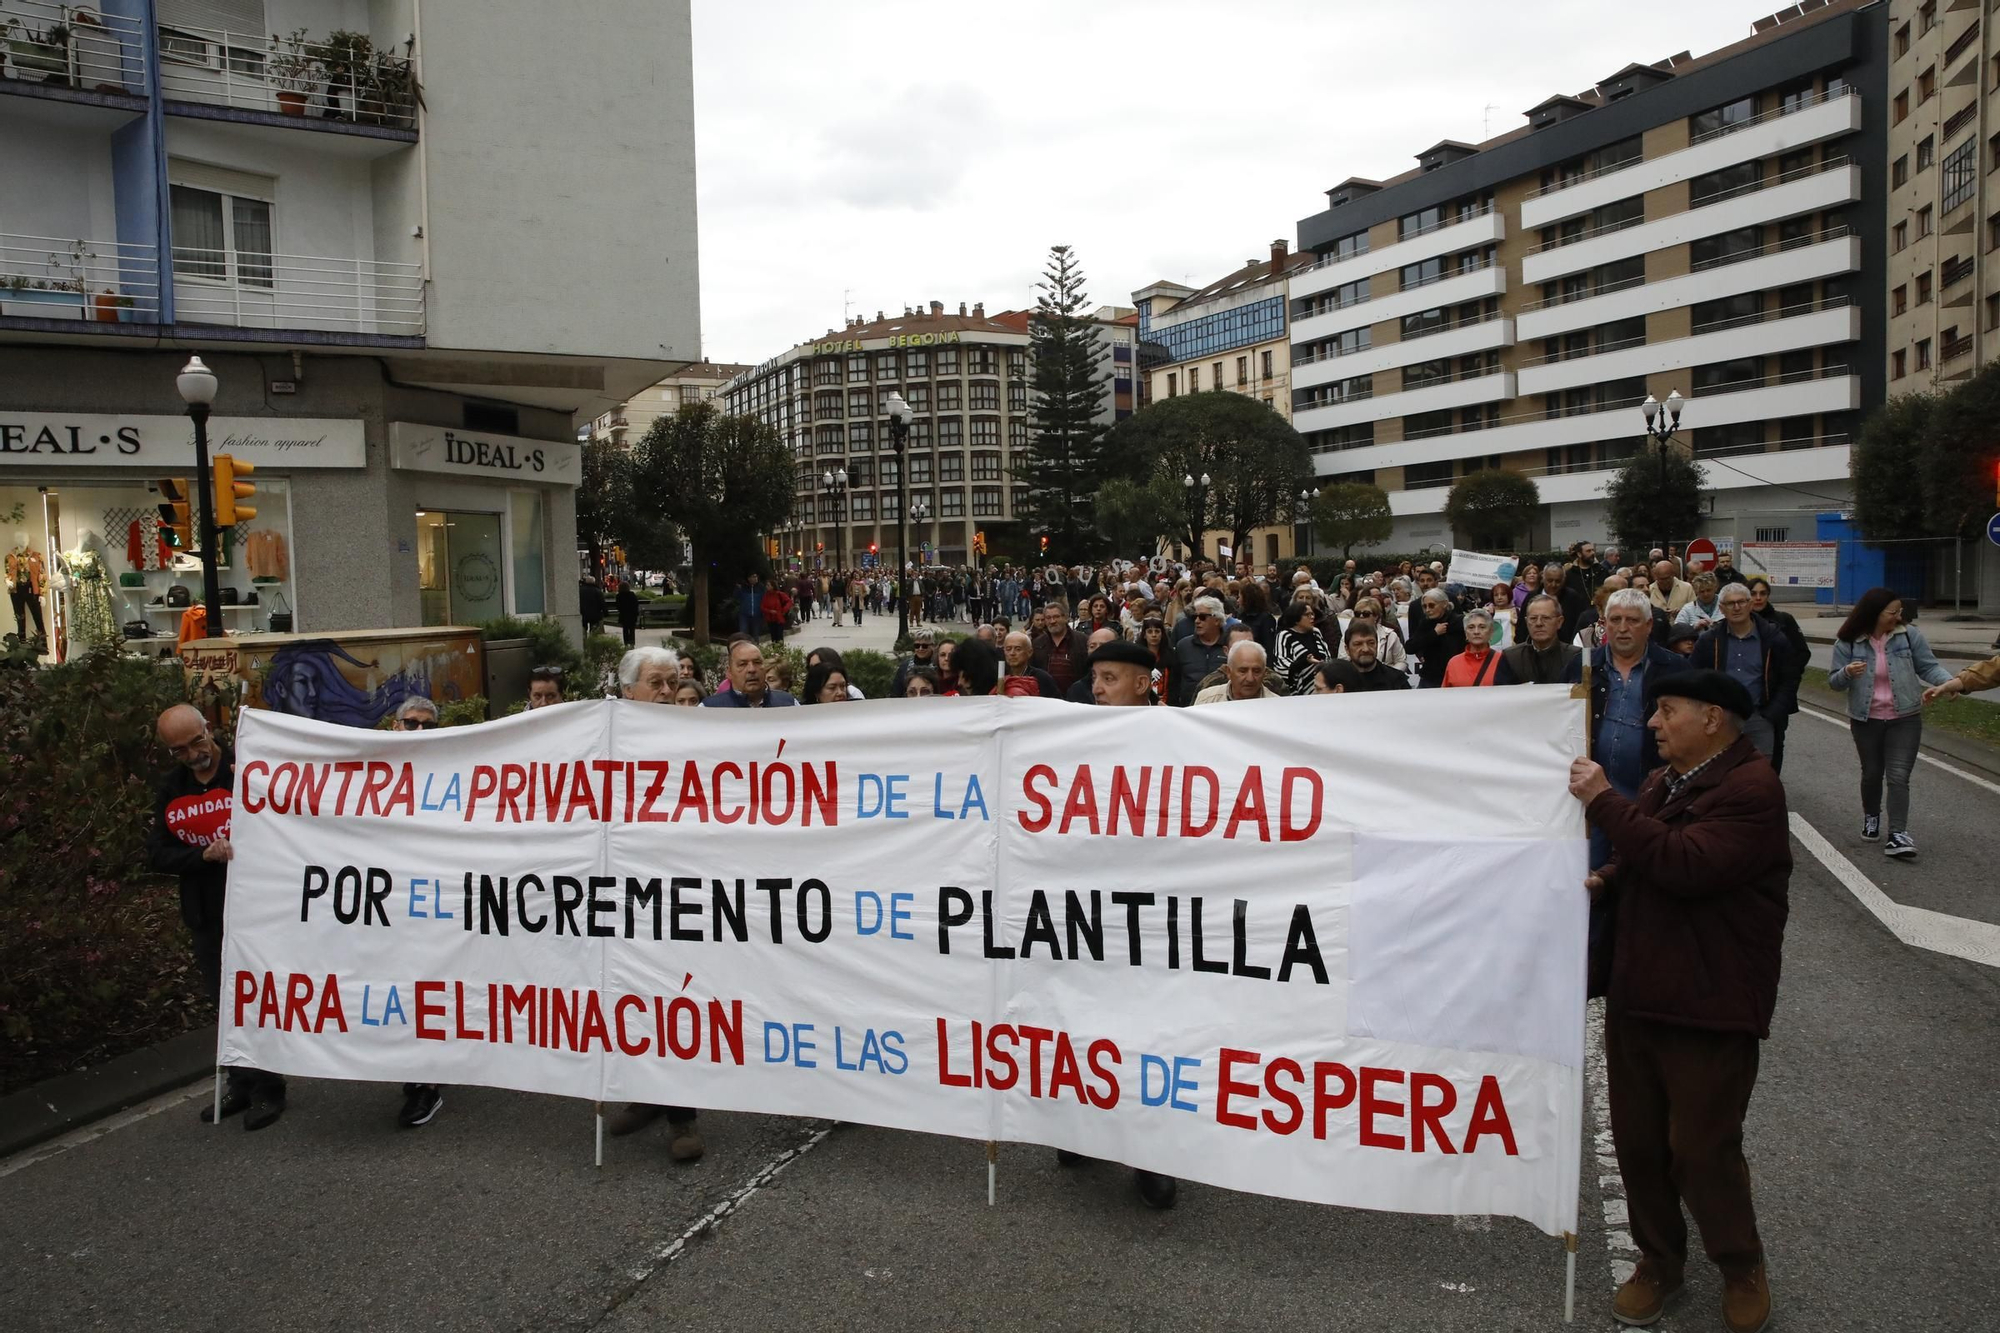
412	724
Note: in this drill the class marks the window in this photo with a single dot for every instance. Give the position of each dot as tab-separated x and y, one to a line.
1993	311
1267	365
1794	367
951	467
1351	293
1347	247
986	431
951	504
1902	41
1194	379
1727	376
1897	366
1423	425
861	508
1344	437
1424	321
860	434
861	472
1743	437
1923	289
1796	433
1900	110
1242	370
1958	178
1417	476
1422	274
1728	313
1924	354
221	237
826	371
1173	384
951	432
1723	119
1017	394
890	472
1899	237
858	403
985	467
986	501
1419	222
947	361
1354	340
1927	85
985	397
857	370
948	396
1899	300
920	470
919	397
1926	153
1899	172
1993	232
982	361
1924	216
1711	251
916	365
832	439
1217	380
1727	183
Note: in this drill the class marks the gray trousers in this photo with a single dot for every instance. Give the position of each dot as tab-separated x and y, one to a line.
1888	749
1761	733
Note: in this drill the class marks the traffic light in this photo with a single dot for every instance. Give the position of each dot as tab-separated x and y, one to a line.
979	543
228	491
818	547
872	548
176	512
1045	544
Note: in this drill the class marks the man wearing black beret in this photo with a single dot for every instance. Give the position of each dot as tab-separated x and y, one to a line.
1699	867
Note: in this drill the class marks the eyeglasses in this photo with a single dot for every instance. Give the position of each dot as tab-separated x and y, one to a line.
192	747
420	724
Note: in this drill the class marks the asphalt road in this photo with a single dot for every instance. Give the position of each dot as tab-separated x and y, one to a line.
1873	1140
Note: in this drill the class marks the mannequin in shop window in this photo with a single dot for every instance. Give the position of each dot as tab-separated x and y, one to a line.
27	577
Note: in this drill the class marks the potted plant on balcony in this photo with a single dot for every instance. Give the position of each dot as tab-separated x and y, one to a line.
388	93
344	58
292	70
107	306
43	51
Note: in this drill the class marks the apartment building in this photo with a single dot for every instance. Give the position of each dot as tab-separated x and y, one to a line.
1705	224
1116	328
1232	334
1944	214
627	424
368	227
965	376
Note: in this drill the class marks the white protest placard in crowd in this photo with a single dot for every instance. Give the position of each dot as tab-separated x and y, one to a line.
1476	569
1158	937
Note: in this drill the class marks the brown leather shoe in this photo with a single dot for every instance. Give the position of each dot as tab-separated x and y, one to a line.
686	1144
1746	1301
632	1117
1643	1297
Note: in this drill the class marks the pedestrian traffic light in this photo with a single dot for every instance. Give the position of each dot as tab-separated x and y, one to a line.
228	491
872	548
176	514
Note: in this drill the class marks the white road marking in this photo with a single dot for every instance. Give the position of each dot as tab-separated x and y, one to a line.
1918	927
1954	769
76	1138
676	1247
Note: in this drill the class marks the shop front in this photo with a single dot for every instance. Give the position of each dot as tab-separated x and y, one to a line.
88	559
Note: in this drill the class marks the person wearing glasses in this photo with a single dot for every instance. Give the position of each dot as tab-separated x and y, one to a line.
544	687
1388	642
1201	652
421	1101
190	838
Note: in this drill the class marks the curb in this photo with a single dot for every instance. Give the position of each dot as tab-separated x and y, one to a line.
57	1105
1981	759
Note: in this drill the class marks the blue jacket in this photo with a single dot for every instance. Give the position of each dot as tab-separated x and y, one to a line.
1659	662
1781	674
733	699
1912	665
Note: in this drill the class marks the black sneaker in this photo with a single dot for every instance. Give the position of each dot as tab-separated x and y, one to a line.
1157	1190
1900	844
235	1101
421	1101
1871	827
265	1108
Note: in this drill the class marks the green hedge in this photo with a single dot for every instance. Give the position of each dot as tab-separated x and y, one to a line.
94	961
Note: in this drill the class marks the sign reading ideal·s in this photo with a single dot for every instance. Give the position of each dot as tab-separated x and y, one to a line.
59	440
419	448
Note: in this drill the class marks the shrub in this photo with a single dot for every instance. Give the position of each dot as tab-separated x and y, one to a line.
869	671
93	958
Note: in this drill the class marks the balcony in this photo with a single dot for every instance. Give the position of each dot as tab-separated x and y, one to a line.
1485	228
1769	135
1449	289
335	297
1806	191
71	53
346	87
1955	281
1780	331
1469	390
1955	358
1824	460
1459	338
44	278
1767	399
1778	264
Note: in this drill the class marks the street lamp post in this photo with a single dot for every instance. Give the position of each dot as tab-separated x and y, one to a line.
835	484
899	438
1197	510
197	385
1306	499
1662	420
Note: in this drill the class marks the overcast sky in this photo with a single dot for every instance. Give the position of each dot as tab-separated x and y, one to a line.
864	154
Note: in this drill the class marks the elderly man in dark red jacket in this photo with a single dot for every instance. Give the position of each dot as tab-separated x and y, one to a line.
1699	863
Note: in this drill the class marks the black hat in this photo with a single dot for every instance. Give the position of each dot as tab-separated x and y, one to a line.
1708	687
1682	634
1122	650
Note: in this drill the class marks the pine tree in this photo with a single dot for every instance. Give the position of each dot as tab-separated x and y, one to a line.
1056	490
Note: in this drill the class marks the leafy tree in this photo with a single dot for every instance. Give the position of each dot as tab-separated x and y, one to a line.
1885	466
1956	466
1493	507
1655	498
1348	514
1063	465
719	479
1134	515
603	498
1256	464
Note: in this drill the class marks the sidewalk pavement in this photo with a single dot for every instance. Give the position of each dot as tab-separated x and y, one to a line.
1963	641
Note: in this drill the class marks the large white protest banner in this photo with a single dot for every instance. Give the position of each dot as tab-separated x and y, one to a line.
1157	937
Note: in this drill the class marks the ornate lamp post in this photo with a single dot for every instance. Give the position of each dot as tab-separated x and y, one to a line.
197	385
835	484
1197	509
1303	537
899	437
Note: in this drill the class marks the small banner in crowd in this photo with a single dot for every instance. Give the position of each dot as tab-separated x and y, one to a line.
1479	571
1318	948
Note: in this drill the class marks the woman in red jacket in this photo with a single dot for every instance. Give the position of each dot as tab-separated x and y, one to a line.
1478	664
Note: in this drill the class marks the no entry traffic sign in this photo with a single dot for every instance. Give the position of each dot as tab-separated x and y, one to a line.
1701	555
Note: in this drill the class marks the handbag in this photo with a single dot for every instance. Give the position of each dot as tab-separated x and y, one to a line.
281	620
138	629
229	596
179	595
131	578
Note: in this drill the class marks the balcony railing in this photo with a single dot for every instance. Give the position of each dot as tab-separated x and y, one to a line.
1959	120
1584	293
347	80
1955	271
1954	348
1790	106
260	291
70	46
1463	322
1768	248
1718	196
106	282
1762	316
